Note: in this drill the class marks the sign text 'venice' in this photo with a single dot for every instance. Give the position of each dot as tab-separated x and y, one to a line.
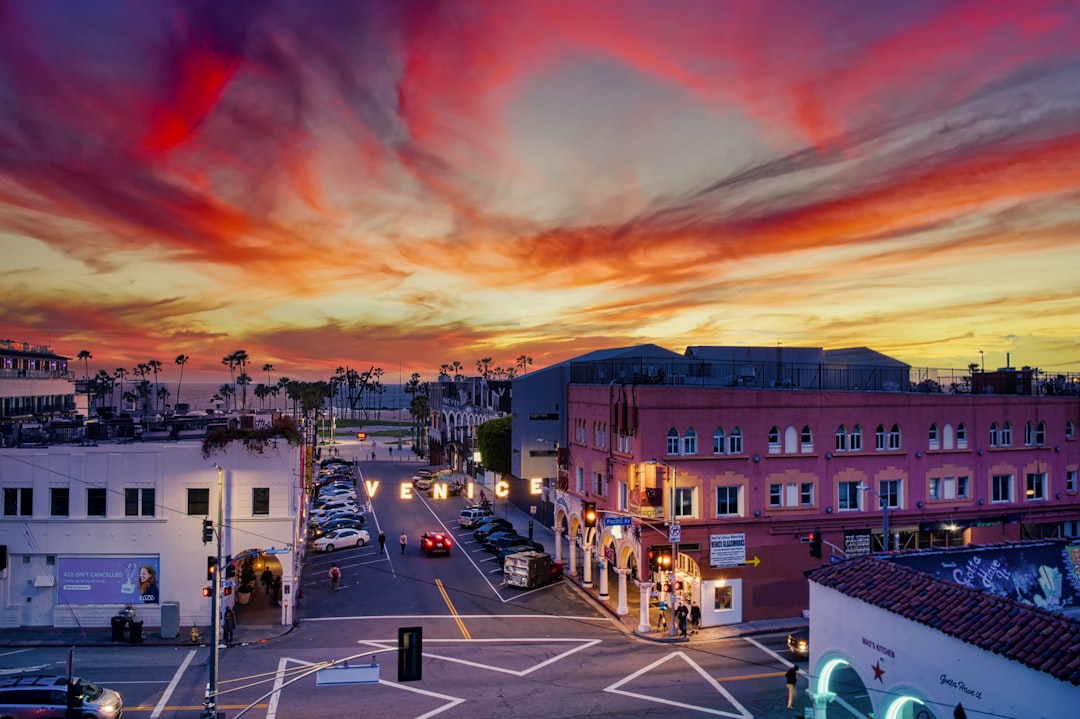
441	490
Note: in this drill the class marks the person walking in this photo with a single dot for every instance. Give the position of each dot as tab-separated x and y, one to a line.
404	541
267	580
792	677
695	617
229	624
382	542
680	614
335	576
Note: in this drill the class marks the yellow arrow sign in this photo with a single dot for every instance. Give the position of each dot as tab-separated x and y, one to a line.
755	561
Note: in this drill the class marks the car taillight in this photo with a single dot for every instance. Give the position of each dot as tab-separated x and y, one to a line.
427	542
447	540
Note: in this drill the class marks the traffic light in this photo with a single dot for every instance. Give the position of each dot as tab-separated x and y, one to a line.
227	590
589	512
815	543
664	560
207	591
211	567
410	641
653	563
207	531
230	568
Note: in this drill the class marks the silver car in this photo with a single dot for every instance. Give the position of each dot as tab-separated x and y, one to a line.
31	696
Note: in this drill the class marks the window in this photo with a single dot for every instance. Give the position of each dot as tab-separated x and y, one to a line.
735	441
1006	435
95	502
774	440
855	440
1001	488
59	501
727	501
1070	429
1070	481
596	488
723	598
847	496
890	492
672	441
961	436
689	442
198	501
806	494
880	438
934	437
138	501
18	501
1036	486
776	495
1040	433
934	492
841	439
894	437
995	435
260	501
962	487
719	441
579	479
806	439
624	497
684	502
624	443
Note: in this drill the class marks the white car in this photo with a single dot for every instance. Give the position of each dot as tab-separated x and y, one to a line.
421	482
347	537
336	496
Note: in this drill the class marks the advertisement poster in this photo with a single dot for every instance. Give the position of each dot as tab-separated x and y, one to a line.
108	580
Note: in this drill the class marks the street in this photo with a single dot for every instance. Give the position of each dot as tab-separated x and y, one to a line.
489	650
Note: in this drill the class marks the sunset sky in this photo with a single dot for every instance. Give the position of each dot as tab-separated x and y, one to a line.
328	183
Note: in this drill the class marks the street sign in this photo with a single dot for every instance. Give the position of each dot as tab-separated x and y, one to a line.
617	521
675	533
363	674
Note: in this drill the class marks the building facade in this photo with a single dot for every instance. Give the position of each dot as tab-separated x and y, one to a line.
34	382
750	460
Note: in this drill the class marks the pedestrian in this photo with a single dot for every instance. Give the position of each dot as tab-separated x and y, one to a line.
404	541
382	542
335	576
792	676
681	613
277	591
391	452
661	621
229	624
267	580
372	455
695	617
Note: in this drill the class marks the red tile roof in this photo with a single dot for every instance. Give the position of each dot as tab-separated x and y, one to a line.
1037	638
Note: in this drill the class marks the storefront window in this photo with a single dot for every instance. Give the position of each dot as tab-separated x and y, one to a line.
723	599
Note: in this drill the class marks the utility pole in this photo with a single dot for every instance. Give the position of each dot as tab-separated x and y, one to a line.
210	705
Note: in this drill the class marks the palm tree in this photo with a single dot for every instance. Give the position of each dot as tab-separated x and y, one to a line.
119	373
268	368
242	359
226	391
244	379
155	367
483	367
262	392
523	362
163	395
230	362
180	360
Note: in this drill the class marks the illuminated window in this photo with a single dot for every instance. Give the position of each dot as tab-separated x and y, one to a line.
1036	486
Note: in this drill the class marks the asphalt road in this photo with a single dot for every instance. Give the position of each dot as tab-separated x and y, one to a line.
489	650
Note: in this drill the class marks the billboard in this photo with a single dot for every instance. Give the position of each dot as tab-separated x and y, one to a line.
108	580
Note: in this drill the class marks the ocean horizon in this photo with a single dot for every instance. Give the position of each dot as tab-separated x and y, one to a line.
200	396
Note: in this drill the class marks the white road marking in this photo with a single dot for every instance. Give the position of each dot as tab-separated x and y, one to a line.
167	694
742	712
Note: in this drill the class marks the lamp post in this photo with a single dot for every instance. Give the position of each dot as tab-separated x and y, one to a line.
672	630
884	515
215	599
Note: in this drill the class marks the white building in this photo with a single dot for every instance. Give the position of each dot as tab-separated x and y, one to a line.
79	522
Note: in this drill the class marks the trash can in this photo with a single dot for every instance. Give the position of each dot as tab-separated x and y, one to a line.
118	624
170	620
135	630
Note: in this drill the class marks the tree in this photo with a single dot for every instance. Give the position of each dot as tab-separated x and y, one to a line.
523	363
483	367
244	379
155	367
230	362
262	392
119	373
493	441
226	391
180	360
268	368
163	396
242	359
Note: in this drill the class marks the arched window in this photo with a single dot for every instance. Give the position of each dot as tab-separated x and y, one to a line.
934	437
1040	433
1006	435
689	442
880	438
735	441
673	441
1070	429
806	439
774	440
961	436
841	439
894	437
995	435
855	441
719	441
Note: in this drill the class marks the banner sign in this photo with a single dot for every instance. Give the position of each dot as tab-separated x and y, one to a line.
107	580
727	550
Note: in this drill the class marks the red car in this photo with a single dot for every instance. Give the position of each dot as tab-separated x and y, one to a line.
435	543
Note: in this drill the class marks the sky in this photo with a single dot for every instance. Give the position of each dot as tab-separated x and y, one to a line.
405	184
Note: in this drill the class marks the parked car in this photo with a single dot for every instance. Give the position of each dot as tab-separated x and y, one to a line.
421	482
798	643
317	519
472	517
514	549
346	537
323	530
30	696
498	542
495	524
435	543
326	507
336	495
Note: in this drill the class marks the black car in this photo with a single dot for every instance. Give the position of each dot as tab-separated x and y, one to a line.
337	524
491	526
500	540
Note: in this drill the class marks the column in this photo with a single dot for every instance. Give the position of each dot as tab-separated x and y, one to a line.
603	569
587	580
643	619
573	556
558	543
622	609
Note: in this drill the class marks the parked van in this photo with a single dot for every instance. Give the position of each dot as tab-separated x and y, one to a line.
30	696
471	516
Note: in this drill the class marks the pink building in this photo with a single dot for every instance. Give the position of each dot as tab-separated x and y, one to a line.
750	472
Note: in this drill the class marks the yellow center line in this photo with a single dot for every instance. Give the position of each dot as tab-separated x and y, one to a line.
453	609
744	677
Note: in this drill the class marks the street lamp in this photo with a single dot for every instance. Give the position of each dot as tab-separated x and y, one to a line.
215	598
672	631
884	515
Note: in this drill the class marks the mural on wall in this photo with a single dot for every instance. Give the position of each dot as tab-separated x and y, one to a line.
1042	574
108	580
